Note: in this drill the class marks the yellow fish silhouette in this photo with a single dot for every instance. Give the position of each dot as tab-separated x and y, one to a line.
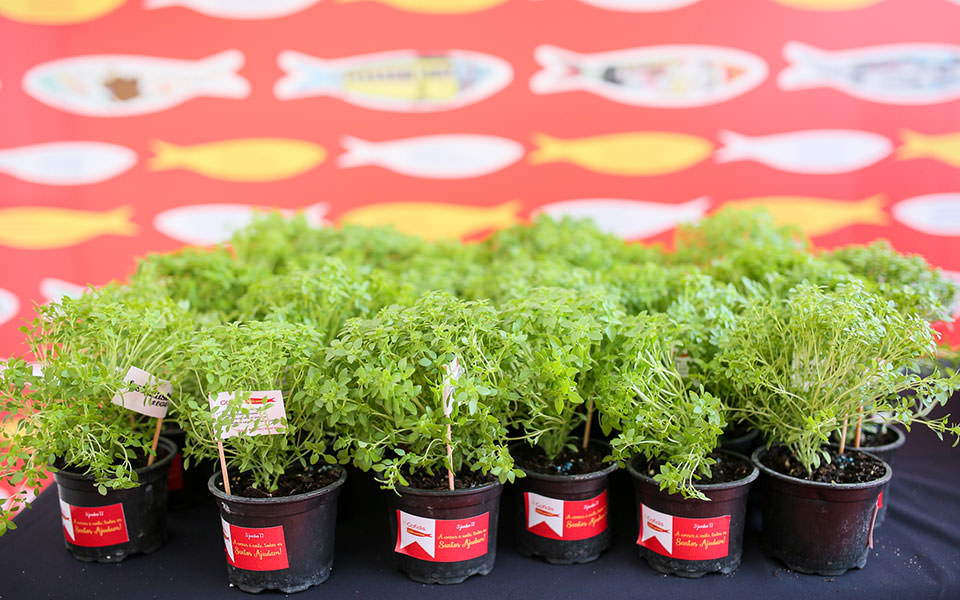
45	227
438	6
818	216
250	159
434	220
56	12
828	4
634	153
944	147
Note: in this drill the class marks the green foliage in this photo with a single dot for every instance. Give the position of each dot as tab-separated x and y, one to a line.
907	280
511	278
559	332
811	361
382	390
85	347
731	231
644	399
251	357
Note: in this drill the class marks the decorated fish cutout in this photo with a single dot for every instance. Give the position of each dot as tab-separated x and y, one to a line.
47	227
398	80
237	9
434	220
9	306
206	224
933	214
53	290
56	12
944	147
630	153
828	4
250	159
889	74
819	216
121	85
67	163
640	5
437	6
629	219
813	152
451	156
675	76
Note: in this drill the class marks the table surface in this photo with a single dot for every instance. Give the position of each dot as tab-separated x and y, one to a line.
916	553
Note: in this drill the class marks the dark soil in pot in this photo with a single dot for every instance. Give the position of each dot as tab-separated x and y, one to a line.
445	536
562	508
186	487
275	542
691	537
111	527
825	525
883	445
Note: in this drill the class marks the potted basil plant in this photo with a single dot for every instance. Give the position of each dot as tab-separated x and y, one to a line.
417	394
277	497
92	415
815	364
562	512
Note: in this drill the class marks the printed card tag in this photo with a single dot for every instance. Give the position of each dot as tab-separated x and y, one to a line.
93	526
682	363
682	538
255	548
442	540
565	519
261	413
453	372
134	399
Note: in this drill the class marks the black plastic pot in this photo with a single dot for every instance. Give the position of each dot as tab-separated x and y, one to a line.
742	444
283	543
690	537
563	518
886	453
186	487
123	522
429	524
822	528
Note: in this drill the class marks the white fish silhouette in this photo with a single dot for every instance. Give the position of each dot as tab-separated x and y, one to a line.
450	156
9	306
934	214
67	163
398	80
119	85
814	151
889	74
237	9
206	224
640	5
54	289
629	219
676	76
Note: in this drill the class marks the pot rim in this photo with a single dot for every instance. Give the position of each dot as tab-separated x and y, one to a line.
221	495
166	460
480	489
754	473
755	457
607	470
894	445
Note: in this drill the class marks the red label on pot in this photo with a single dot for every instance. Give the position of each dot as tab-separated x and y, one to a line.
175	476
880	500
565	519
255	548
682	538
93	526
442	540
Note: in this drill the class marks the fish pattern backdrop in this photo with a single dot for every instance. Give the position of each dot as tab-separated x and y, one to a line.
138	126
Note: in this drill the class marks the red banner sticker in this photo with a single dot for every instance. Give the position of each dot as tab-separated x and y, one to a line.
686	539
255	548
565	519
175	476
442	540
94	526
